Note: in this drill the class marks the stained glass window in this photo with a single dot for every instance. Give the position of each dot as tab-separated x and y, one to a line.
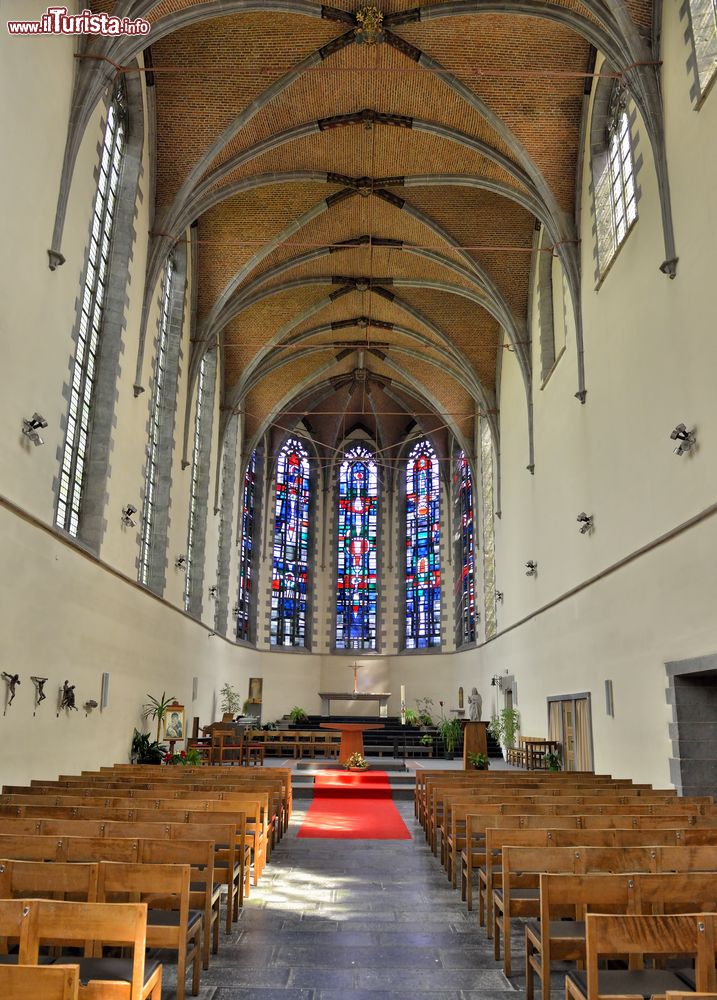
246	549
356	549
190	586
79	420
466	596
153	447
423	548
290	566
491	621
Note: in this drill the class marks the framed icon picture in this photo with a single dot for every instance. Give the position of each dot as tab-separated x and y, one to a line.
256	685
173	723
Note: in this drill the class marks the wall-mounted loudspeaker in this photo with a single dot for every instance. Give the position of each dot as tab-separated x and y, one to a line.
609	703
105	692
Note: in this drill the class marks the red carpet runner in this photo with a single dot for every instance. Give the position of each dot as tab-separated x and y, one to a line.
355	806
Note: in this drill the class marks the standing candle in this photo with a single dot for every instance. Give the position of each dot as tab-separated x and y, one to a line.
403	704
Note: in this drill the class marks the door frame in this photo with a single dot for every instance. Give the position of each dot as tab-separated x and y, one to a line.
581	696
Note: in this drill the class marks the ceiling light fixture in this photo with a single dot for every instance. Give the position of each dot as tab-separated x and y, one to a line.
30	428
687	439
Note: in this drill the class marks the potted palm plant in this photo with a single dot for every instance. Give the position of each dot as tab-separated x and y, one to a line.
450	732
504	727
156	708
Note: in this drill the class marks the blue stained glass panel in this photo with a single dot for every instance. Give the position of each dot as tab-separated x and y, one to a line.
467	585
423	548
356	590
290	562
246	551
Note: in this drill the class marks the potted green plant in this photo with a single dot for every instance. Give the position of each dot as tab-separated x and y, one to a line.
156	708
426	740
297	715
231	702
479	761
424	716
450	732
504	727
146	751
411	717
554	760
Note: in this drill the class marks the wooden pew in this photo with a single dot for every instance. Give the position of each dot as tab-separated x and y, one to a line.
125	924
171	924
636	936
39	982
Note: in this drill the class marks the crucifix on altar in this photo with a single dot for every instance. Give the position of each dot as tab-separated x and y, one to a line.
356	667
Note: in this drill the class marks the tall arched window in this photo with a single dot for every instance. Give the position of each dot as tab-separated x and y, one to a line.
423	548
466	590
85	367
155	507
614	190
246	551
703	28
356	587
290	564
199	485
487	506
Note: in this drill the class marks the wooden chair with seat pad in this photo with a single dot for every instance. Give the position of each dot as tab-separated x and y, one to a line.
170	922
554	940
116	924
204	893
39	982
637	935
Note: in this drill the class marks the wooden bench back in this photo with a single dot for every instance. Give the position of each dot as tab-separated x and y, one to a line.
40	982
37	879
636	936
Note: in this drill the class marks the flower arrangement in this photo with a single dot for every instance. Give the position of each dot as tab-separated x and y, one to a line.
185	757
356	761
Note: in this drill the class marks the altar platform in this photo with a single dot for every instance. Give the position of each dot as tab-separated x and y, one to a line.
381	697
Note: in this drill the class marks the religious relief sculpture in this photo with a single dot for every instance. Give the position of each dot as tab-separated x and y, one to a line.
475	705
12	681
67	699
39	683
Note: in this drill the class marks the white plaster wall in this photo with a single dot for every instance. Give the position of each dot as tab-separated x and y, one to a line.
650	356
67	617
38	306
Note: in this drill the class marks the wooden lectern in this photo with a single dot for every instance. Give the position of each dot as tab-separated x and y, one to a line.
475	740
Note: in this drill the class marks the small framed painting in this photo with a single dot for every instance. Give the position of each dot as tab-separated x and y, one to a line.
173	723
256	685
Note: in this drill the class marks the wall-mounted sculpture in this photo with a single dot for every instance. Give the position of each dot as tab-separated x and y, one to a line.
67	697
12	681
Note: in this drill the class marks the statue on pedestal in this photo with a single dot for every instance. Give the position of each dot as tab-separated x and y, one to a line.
475	705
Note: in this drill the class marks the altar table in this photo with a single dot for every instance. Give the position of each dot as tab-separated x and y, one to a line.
380	696
351	736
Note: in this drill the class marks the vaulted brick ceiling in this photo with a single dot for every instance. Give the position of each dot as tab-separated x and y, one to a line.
364	230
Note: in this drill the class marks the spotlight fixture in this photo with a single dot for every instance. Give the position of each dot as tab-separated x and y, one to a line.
236	610
180	562
586	522
213	592
531	568
32	426
127	513
496	681
499	595
687	439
